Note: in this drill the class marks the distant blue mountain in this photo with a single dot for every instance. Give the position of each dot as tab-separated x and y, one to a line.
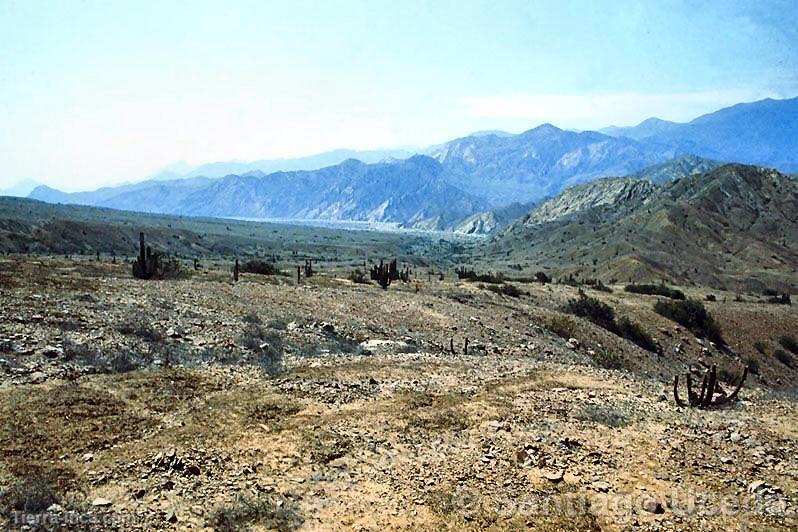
540	162
268	166
645	129
763	133
409	192
477	174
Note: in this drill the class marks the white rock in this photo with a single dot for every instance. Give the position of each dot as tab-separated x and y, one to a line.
554	476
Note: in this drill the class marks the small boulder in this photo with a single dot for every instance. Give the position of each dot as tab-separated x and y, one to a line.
653	506
101	502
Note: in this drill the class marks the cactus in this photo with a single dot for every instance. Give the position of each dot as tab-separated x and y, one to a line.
712	394
309	268
236	271
148	264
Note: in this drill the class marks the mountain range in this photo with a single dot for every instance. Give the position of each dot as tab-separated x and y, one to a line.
763	133
477	183
734	227
309	162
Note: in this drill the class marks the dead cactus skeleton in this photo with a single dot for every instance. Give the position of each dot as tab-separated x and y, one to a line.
712	394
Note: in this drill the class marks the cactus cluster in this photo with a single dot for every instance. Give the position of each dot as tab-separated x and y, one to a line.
711	394
385	273
148	264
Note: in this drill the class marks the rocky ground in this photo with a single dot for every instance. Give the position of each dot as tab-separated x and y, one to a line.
200	403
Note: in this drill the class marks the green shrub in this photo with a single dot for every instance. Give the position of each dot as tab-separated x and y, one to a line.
753	366
711	297
635	333
505	289
601	287
608	360
693	316
783	299
592	309
655	290
260	267
789	343
470	275
760	346
783	357
602	315
562	326
358	277
542	278
267	346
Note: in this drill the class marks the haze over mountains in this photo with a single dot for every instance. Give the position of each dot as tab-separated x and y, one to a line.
471	184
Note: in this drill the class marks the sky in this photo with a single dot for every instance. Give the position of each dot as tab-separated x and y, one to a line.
98	92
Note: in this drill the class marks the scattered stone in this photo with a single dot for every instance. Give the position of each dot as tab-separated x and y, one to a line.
653	506
52	351
601	486
554	476
756	486
101	502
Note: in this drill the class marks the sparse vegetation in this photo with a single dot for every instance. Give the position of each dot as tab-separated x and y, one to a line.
655	290
140	329
264	511
783	299
28	495
562	326
783	357
597	284
358	277
260	267
607	359
636	334
542	278
693	316
602	315
505	289
606	415
267	347
592	309
470	275
789	343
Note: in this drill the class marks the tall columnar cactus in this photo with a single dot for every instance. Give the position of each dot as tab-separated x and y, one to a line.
148	264
711	394
236	271
309	268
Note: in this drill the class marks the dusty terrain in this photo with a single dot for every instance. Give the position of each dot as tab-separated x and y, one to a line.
200	403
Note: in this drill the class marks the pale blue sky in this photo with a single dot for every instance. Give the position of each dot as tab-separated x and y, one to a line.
94	92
